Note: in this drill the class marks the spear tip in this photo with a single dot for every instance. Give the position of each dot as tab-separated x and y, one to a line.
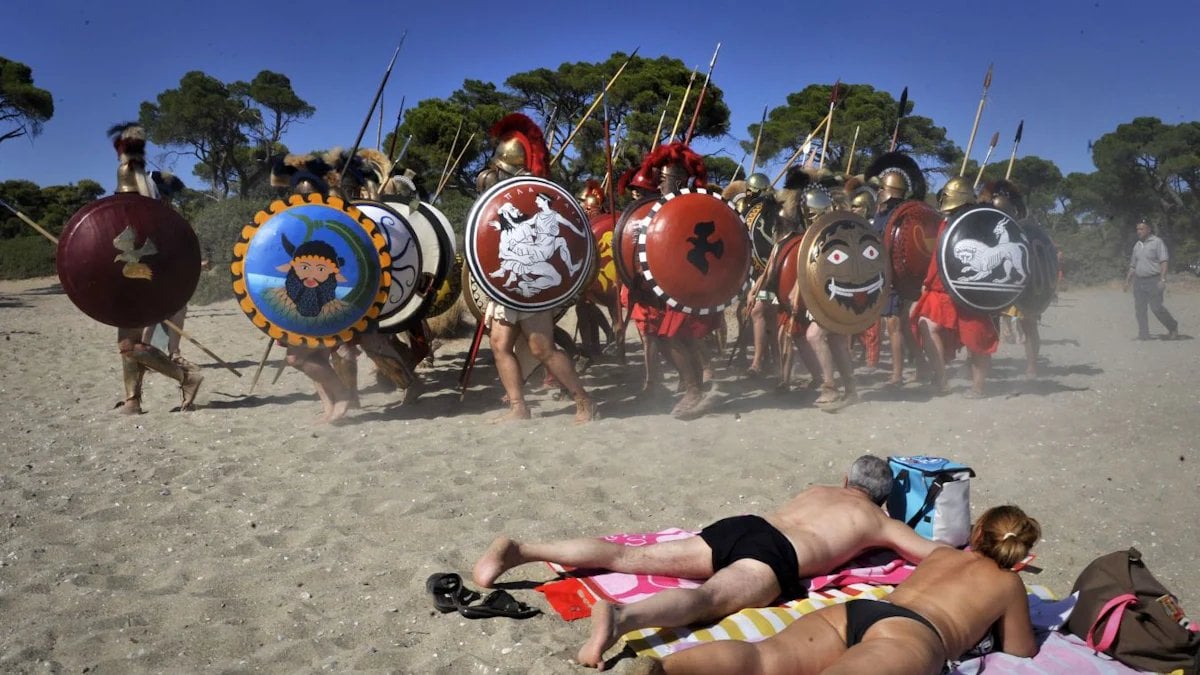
995	138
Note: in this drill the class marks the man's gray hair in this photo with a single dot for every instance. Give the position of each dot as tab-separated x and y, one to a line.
873	476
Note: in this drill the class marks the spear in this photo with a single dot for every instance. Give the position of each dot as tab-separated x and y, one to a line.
450	154
453	168
30	222
757	142
853	146
567	143
549	126
374	102
802	149
987	82
687	138
991	147
1013	157
379	129
900	111
396	129
403	150
683	104
661	118
616	152
738	169
608	160
833	99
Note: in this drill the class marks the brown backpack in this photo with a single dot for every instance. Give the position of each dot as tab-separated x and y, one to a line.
1126	613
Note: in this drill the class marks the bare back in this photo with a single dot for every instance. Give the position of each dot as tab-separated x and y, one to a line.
964	594
829	526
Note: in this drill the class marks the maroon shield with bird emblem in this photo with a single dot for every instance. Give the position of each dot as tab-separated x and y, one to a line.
529	245
695	252
911	236
128	261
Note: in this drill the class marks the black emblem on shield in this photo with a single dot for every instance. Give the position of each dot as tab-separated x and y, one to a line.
701	246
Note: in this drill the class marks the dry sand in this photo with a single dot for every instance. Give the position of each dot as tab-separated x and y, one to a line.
240	537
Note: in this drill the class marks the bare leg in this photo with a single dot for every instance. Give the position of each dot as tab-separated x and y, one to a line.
762	314
896	344
679	351
816	337
980	365
839	347
931	335
689	558
539	329
504	336
1033	345
314	363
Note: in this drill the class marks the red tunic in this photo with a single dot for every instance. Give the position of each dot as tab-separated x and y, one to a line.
652	318
964	327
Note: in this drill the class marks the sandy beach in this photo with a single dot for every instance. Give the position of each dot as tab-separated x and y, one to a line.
242	537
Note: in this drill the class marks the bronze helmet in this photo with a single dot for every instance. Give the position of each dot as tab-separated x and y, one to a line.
817	201
758	183
957	191
510	155
1004	195
893	184
672	177
863	202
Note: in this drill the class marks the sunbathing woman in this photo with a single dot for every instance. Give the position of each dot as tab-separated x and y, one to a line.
951	602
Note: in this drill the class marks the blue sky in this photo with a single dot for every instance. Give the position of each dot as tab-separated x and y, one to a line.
1072	70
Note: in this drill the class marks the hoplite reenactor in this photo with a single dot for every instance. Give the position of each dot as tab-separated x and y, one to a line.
941	326
137	353
862	200
901	182
668	327
795	199
529	258
1027	311
760	208
603	291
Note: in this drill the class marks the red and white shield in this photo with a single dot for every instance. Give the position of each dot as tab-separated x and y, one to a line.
529	245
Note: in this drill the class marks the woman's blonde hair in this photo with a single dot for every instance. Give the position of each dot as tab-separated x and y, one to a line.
1005	534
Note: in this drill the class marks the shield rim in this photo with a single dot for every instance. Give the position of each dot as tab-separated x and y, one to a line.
67	235
1025	301
648	275
951	289
808	294
759	263
384	315
909	290
454	280
246	303
628	278
578	284
417	307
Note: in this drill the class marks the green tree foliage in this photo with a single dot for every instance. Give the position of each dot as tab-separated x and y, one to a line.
23	107
1040	181
51	207
860	106
231	130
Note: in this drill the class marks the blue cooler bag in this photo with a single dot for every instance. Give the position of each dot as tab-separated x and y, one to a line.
933	496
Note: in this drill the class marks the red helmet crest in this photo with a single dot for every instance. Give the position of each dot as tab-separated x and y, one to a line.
529	135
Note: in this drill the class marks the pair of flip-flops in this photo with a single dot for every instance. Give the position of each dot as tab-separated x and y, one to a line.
450	595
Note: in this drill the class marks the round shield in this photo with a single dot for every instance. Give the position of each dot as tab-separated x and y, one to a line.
448	292
695	253
983	259
1043	271
604	283
311	271
128	261
436	241
911	236
402	247
760	215
781	276
528	244
628	227
844	280
476	299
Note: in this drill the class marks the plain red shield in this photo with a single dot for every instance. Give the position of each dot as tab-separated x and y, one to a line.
781	279
695	253
629	226
128	261
529	245
911	237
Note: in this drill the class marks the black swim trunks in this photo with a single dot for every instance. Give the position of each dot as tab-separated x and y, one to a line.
862	614
741	537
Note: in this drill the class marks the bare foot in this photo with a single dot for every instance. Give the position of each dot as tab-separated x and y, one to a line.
604	635
502	555
189	387
690	400
697	411
412	393
828	395
518	411
585	409
335	412
130	406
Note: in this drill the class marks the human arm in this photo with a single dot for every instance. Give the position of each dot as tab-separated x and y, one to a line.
904	540
1016	629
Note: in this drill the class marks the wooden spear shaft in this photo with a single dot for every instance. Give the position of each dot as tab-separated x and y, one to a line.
853	147
1013	157
803	148
262	363
683	104
757	142
991	147
833	98
374	102
661	118
171	324
450	154
687	137
587	115
29	221
987	82
453	168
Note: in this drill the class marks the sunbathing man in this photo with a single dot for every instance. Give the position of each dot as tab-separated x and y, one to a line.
952	602
746	561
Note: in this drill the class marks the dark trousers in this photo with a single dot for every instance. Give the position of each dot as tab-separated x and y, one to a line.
1147	293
